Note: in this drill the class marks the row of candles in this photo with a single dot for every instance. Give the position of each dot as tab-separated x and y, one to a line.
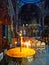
29	42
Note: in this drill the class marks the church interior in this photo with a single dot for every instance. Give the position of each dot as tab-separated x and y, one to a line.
24	32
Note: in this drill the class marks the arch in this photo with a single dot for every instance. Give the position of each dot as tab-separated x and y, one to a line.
23	2
28	13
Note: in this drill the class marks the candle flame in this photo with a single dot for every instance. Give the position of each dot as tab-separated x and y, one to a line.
27	44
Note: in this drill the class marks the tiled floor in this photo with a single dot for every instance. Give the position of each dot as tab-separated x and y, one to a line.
42	58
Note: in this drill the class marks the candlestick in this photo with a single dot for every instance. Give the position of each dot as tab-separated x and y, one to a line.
20	42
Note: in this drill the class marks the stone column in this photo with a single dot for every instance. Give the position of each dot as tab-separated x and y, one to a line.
1	35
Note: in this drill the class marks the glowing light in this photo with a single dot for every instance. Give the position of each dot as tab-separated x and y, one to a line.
15	42
15	52
20	34
27	43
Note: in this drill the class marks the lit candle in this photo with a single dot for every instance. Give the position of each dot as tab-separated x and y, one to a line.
21	42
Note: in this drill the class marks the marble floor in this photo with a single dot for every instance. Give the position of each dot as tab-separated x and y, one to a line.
42	58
